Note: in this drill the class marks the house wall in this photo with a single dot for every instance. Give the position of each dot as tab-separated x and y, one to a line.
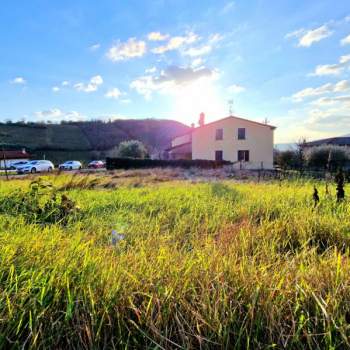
180	140
181	152
259	141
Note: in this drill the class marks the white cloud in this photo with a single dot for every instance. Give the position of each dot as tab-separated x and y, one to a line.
124	51
56	114
336	119
18	81
197	51
345	41
235	89
340	86
151	70
214	38
327	101
113	93
309	37
332	69
295	34
176	42
55	89
94	47
65	83
171	79
125	101
157	36
93	85
197	62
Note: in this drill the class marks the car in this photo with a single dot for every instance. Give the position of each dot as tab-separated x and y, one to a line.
70	165
96	164
15	165
35	166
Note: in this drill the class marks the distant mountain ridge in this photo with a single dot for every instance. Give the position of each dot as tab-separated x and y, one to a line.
89	139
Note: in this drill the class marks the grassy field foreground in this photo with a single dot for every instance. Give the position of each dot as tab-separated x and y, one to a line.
203	265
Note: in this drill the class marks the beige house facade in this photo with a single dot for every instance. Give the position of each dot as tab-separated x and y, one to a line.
245	143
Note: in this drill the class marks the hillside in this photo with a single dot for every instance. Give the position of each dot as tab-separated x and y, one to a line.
87	140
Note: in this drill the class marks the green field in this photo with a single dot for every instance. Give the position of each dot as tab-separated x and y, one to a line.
216	264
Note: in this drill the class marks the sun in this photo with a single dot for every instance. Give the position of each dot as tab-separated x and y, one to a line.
200	96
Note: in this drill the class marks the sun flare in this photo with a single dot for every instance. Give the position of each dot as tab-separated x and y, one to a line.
201	96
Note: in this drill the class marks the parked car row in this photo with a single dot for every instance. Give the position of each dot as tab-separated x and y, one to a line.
34	166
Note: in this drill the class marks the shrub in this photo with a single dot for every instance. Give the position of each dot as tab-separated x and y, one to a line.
327	157
41	204
131	149
130	163
288	159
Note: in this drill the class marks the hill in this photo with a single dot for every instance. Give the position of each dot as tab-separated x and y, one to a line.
87	140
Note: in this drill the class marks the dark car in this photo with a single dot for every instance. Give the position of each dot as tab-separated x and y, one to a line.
96	164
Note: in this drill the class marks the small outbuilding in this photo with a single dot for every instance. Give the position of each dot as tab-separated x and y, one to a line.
11	156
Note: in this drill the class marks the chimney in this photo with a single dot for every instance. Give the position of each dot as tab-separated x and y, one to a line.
201	119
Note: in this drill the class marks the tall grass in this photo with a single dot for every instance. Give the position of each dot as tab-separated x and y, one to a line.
211	265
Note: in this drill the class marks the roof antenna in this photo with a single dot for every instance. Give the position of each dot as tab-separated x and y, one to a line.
230	106
266	121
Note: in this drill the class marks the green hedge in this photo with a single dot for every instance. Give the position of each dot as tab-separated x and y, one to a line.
132	163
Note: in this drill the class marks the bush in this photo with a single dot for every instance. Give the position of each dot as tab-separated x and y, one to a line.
327	157
130	163
41	204
132	149
288	159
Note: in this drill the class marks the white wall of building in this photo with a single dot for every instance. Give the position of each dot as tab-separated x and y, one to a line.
259	142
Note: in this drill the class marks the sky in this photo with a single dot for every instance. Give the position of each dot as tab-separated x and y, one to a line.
286	61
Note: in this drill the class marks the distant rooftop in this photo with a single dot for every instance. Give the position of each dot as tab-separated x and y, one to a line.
14	154
337	141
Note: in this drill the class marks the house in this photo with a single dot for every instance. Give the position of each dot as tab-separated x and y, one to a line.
11	156
334	141
246	143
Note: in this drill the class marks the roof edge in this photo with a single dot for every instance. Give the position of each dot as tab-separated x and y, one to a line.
272	127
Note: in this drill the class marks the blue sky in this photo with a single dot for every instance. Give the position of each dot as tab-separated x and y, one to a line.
287	61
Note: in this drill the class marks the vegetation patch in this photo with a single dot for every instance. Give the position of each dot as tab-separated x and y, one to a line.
210	265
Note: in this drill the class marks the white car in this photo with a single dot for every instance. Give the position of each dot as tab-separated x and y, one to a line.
35	166
20	163
70	165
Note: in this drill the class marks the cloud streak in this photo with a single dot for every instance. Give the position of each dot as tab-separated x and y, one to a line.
92	86
307	38
340	86
332	69
170	80
132	48
18	81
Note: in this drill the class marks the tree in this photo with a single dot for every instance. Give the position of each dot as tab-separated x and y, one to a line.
327	157
130	149
287	159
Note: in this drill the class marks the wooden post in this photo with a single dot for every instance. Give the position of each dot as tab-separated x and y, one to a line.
5	165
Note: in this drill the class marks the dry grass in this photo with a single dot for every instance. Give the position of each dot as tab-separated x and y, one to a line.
217	264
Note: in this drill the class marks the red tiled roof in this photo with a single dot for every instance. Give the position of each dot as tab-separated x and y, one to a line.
14	155
219	120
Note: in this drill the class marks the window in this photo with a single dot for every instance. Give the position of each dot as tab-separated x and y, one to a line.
218	156
243	156
219	135
241	133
